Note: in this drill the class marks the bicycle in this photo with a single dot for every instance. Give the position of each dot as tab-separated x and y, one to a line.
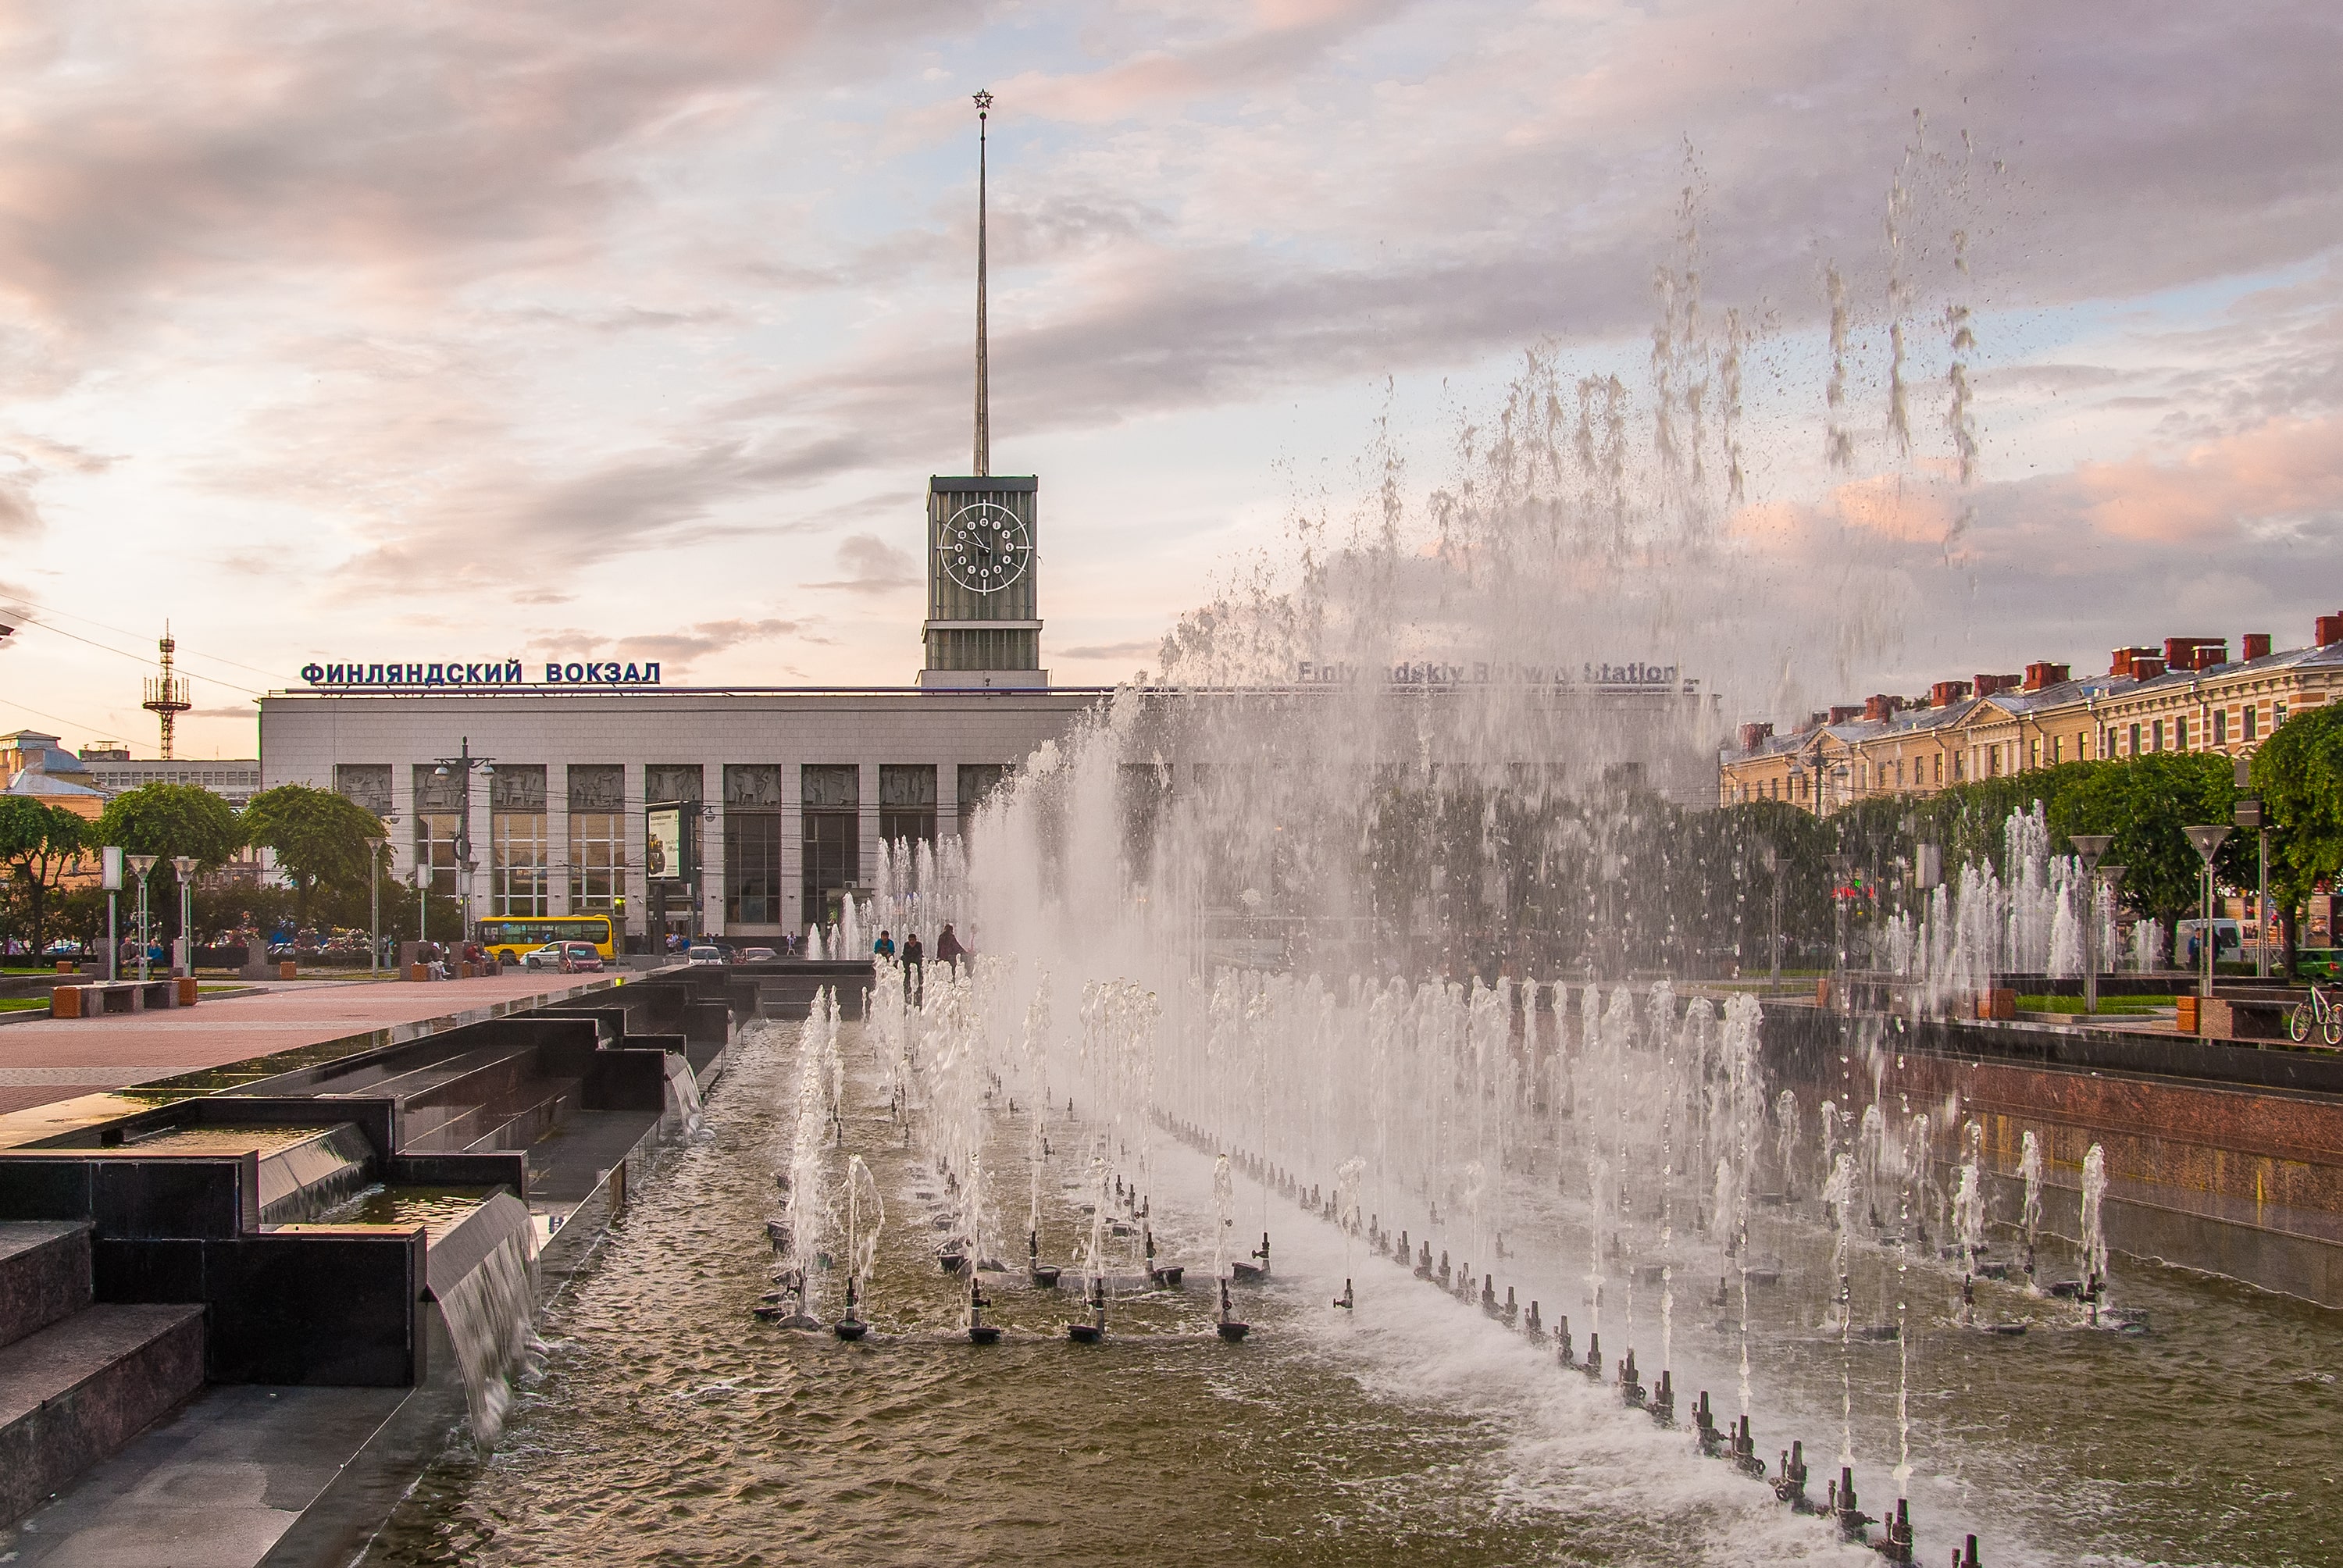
2317	1011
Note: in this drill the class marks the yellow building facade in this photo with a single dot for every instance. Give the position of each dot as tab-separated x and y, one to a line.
2188	696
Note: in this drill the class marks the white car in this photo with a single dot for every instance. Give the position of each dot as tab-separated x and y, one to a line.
548	957
704	956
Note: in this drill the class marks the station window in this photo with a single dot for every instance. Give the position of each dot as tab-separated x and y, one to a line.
2135	740
831	817
517	862
2247	717
2220	726
598	839
752	843
906	802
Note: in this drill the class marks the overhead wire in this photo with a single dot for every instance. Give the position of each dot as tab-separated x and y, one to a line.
134	658
38	613
55	718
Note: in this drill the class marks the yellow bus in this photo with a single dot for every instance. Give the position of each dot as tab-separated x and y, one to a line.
509	940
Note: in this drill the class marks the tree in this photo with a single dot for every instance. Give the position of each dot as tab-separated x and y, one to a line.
38	845
2144	802
171	819
2299	773
320	837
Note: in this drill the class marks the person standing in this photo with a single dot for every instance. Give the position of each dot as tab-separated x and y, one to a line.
948	947
914	961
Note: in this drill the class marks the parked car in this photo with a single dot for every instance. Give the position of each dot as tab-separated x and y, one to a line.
548	957
758	956
2318	963
580	959
704	955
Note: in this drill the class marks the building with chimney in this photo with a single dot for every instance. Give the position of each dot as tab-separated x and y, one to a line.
2186	694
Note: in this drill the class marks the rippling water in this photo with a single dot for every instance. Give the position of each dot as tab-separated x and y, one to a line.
670	1427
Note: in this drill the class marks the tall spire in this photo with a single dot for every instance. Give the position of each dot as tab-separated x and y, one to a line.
983	411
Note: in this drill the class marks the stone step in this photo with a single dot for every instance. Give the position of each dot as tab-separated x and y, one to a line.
44	1274
76	1391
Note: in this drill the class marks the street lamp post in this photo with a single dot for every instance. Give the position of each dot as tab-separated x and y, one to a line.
422	904
186	866
2248	814
464	763
2207	841
1840	864
2111	878
2090	848
110	860
139	865
377	848
1772	857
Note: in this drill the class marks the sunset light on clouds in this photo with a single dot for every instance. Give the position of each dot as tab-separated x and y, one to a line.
632	330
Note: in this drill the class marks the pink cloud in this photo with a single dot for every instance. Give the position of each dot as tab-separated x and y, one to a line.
2287	468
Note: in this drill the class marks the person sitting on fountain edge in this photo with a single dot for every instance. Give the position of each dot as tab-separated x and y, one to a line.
948	947
885	946
914	957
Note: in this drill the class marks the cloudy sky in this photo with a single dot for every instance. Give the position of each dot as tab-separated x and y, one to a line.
618	329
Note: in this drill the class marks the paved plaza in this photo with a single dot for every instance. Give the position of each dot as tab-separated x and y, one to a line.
46	1059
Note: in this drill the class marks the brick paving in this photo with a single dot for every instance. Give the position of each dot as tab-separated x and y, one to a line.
47	1060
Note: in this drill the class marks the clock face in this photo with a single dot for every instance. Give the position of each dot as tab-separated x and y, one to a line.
984	547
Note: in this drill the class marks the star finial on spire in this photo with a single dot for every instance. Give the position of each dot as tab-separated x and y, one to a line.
983	101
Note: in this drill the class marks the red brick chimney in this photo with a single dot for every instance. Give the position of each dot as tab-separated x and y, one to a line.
1842	711
1987	685
2195	652
1754	734
1945	693
2255	645
1880	707
2329	630
2125	657
2038	676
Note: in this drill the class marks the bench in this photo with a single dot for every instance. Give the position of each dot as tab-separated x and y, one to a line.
106	997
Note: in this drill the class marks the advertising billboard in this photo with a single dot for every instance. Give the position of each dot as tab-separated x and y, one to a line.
663	844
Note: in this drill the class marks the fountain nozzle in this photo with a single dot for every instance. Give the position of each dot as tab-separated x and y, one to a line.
1897	1546
979	1333
1704	1423
1844	1507
1345	1301
1744	1452
1630	1390
1790	1486
1228	1327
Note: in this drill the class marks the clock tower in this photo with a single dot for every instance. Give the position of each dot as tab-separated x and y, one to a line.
983	628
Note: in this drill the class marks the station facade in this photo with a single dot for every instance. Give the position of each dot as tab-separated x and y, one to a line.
787	792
